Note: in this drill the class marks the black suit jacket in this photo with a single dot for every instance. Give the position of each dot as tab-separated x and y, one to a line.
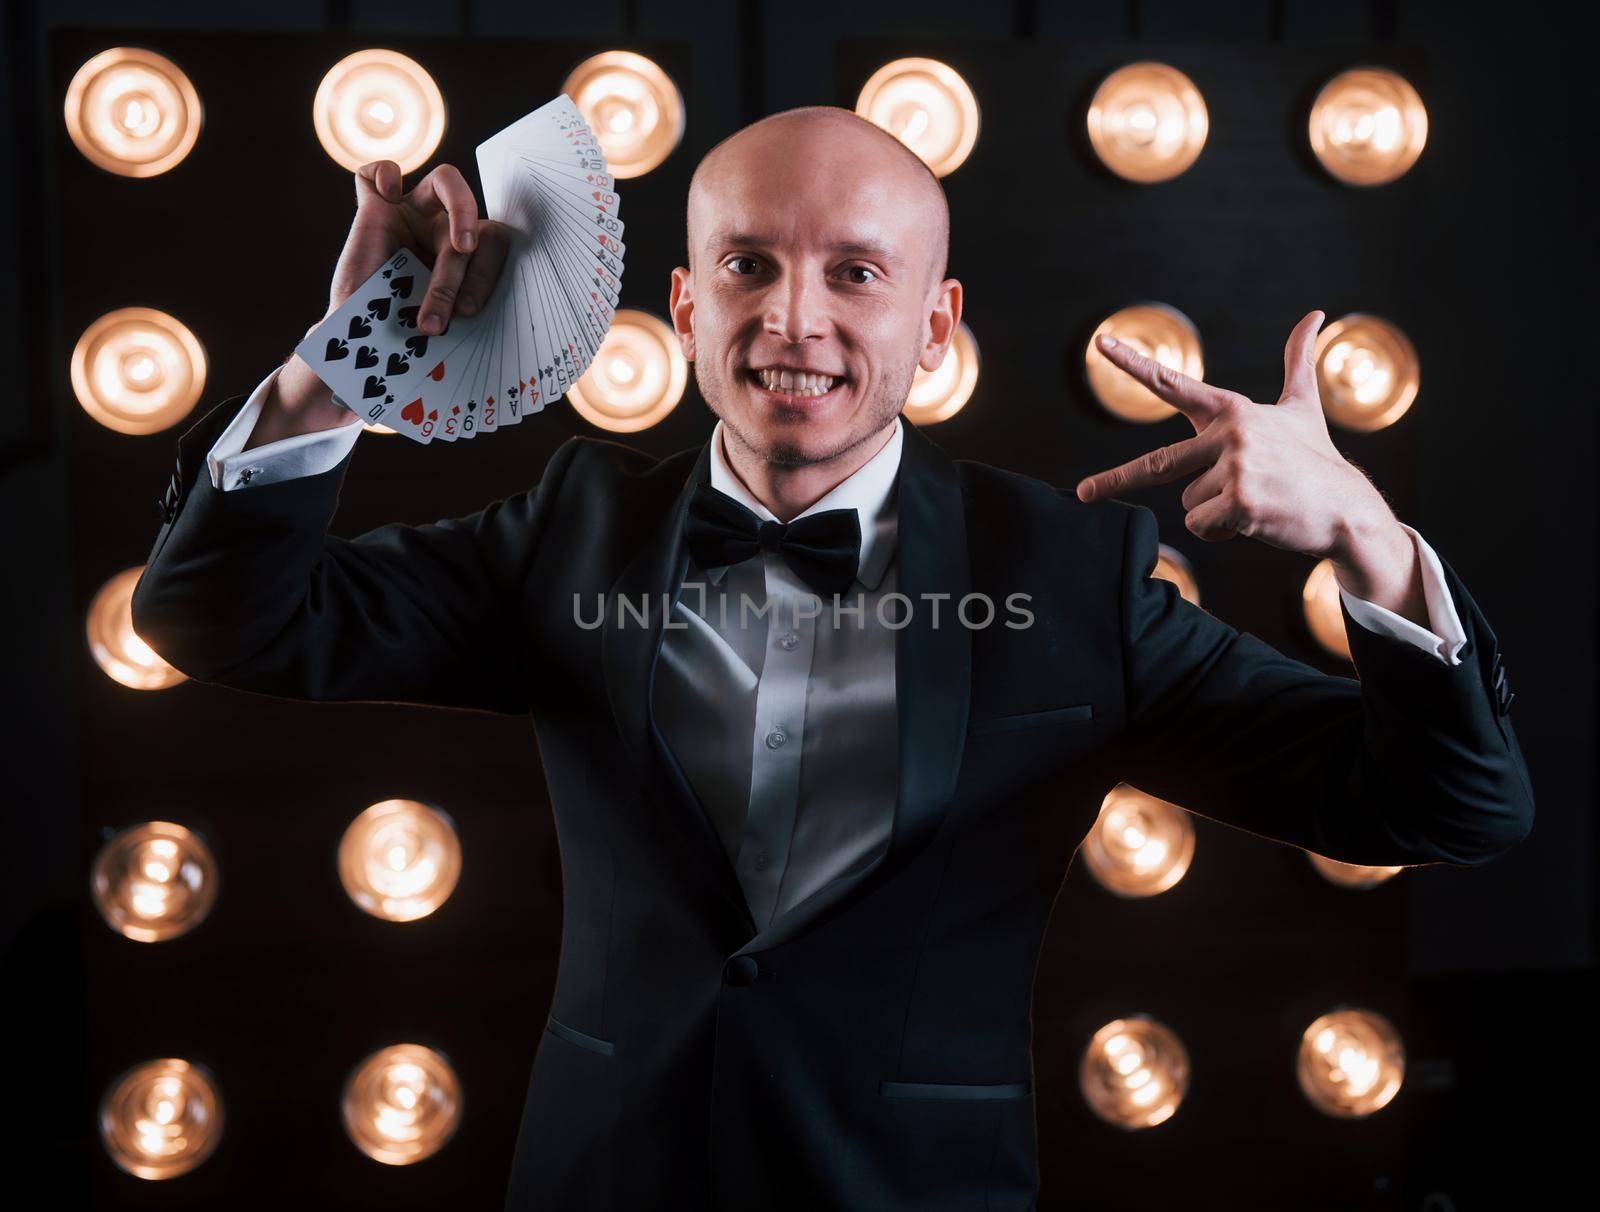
871	1048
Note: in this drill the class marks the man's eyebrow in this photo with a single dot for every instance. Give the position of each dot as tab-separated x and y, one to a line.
859	248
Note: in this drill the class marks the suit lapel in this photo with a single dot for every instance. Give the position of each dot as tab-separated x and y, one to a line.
650	583
933	678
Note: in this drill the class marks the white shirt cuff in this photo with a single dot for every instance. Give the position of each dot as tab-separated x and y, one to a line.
302	454
1447	636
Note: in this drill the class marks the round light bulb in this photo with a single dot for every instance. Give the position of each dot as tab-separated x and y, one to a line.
1139	845
1171	565
132	112
119	650
400	860
927	106
637	377
1157	331
378	104
1319	600
1367	372
1134	1072
937	395
402	1104
1351	1063
1147	122
154	881
1368	126
161	1118
137	370
1351	875
634	109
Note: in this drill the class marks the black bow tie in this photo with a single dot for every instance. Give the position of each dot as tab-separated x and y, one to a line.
823	549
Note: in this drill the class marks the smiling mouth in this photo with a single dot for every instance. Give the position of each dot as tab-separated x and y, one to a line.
793	398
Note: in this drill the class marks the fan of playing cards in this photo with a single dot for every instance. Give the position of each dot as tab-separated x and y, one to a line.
545	178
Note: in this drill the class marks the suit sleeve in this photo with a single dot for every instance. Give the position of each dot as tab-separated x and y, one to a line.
245	588
1414	761
232	467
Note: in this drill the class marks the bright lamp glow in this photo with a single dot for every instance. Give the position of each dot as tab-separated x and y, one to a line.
1319	600
637	377
1367	371
938	395
1134	1073
1368	126
927	106
1157	331
1147	122
154	881
400	860
132	112
115	646
161	1118
402	1104
1351	1063
633	107
1351	875
137	370
1139	845
378	105
1171	565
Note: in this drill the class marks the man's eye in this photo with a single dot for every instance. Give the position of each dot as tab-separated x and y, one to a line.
733	261
863	269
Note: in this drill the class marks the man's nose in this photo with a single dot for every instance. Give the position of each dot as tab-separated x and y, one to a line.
796	309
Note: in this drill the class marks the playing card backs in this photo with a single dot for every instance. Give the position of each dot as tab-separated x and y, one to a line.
545	178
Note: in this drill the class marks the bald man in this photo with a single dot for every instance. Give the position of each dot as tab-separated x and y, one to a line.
825	712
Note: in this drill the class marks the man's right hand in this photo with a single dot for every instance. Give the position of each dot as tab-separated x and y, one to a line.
438	220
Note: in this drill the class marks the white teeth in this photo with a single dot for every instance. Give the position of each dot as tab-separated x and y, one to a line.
796	384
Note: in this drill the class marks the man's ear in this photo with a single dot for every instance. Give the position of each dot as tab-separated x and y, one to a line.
680	307
943	320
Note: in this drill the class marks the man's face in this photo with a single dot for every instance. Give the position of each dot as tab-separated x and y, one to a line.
812	252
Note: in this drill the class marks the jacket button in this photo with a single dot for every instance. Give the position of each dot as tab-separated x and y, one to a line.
741	970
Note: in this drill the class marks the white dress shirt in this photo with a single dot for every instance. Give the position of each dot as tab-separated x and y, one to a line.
783	723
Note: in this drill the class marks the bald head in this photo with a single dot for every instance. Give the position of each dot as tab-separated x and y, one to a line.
841	148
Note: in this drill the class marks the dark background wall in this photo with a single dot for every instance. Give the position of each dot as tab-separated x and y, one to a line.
1478	253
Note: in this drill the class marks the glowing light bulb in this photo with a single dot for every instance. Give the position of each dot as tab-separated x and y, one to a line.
937	395
402	1104
1157	331
928	106
636	379
1351	1063
1351	875
1171	565
1147	122
1139	845
132	112
1134	1072
378	104
633	107
400	860
154	881
1368	126
119	651
1368	372
137	370
1323	610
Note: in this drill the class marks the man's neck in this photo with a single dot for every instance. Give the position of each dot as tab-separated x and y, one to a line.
789	491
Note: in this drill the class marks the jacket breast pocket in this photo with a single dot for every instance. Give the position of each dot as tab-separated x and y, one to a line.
1031	719
965	1092
573	1036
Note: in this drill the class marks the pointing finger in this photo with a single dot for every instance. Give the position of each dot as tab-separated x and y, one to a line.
1153	467
1189	396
